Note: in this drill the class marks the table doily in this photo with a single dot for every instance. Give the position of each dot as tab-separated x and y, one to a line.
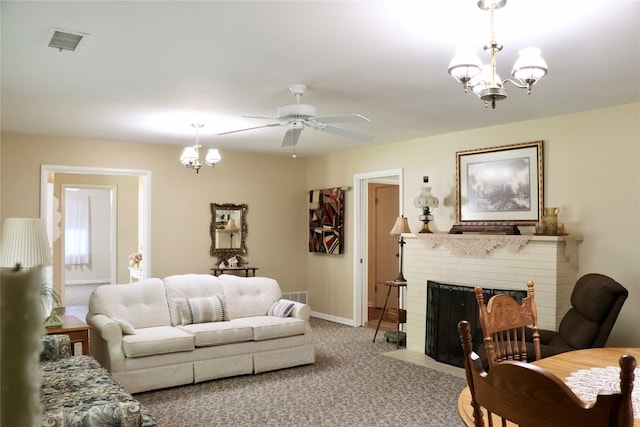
587	383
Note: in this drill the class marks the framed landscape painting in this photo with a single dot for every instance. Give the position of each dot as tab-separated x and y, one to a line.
500	185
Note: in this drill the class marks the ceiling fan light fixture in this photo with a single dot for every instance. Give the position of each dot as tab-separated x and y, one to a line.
489	4
298	116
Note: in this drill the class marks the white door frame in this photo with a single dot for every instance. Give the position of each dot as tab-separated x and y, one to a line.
361	235
145	202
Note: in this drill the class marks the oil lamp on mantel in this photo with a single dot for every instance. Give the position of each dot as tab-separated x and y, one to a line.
425	201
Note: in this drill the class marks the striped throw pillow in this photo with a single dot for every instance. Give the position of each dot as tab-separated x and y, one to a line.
281	308
201	310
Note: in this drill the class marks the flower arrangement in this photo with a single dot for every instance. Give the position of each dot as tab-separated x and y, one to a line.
135	258
232	261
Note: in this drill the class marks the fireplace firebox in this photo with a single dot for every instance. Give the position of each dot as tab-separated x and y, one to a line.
447	304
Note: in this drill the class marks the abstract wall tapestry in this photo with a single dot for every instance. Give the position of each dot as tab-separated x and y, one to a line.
326	221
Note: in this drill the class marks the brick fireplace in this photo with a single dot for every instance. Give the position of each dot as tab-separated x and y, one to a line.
492	261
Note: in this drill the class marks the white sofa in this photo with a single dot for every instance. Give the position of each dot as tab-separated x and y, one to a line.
148	337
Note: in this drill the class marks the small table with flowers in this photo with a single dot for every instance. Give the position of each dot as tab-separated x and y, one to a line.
220	270
135	273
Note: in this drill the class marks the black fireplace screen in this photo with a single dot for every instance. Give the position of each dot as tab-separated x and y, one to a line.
448	304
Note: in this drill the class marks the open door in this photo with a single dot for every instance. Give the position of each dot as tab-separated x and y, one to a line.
364	257
383	251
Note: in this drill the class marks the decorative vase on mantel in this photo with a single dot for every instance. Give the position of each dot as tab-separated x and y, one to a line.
550	221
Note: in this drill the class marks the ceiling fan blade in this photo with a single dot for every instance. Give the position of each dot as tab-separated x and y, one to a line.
346	118
291	137
345	133
260	117
255	127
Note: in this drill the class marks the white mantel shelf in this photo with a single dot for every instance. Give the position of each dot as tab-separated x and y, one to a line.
492	261
483	244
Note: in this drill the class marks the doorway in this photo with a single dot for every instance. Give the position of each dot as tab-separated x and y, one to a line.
383	252
88	234
50	212
363	258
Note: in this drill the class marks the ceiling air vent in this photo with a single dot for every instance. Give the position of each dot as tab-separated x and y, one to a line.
65	40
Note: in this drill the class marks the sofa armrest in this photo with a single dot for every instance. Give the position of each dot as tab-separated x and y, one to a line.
300	310
106	342
55	347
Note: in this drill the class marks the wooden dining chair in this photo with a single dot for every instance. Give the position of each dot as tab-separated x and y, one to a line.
504	323
530	396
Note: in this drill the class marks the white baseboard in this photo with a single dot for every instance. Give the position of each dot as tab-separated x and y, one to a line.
342	320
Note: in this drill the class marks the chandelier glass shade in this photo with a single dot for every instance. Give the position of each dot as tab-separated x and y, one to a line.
190	157
466	68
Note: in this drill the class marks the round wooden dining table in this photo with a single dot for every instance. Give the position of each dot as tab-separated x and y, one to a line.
562	365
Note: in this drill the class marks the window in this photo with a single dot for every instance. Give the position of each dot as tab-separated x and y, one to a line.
76	220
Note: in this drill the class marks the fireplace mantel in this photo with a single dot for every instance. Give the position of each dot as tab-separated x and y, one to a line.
483	244
493	261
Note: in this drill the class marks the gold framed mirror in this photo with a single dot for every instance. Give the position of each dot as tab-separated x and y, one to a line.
228	229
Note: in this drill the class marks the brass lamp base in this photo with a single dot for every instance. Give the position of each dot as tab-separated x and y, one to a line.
53	321
425	228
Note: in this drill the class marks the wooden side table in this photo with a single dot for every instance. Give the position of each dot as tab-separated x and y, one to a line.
76	329
218	271
400	316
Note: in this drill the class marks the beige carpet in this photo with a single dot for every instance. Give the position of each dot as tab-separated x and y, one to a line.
351	384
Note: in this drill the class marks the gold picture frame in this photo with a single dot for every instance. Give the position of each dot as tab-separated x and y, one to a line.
499	186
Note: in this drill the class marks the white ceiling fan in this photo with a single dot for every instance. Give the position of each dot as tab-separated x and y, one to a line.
298	115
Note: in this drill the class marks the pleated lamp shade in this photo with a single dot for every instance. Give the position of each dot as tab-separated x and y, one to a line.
24	242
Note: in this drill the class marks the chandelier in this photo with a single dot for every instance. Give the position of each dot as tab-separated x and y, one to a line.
191	155
483	80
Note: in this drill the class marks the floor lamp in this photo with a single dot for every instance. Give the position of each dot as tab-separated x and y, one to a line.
401	226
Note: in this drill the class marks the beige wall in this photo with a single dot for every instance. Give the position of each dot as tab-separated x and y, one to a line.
272	186
592	174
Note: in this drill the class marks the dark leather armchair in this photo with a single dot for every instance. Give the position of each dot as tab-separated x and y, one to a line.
596	301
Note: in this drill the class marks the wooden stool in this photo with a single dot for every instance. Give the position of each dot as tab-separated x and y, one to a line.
398	285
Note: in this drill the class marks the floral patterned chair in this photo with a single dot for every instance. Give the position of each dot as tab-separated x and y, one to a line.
77	391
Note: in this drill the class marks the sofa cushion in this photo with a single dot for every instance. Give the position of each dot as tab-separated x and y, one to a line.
157	340
269	327
184	286
218	333
201	310
282	308
143	304
249	296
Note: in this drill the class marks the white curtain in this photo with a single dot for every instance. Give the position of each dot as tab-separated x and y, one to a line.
76	225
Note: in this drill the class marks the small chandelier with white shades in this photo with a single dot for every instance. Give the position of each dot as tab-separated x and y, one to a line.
483	79
191	155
